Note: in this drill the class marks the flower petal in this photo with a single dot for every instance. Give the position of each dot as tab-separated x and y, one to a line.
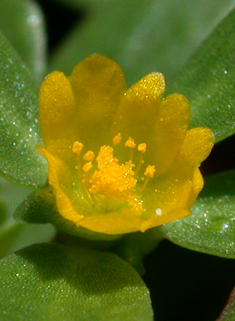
139	108
195	149
173	199
173	193
60	178
57	114
168	132
112	223
98	83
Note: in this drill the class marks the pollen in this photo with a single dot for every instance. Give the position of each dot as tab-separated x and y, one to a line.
105	176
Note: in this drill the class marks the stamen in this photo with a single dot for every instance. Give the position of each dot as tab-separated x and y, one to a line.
131	144
110	178
141	148
89	156
86	168
77	147
117	139
149	173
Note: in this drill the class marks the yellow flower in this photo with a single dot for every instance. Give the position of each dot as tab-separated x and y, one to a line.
120	160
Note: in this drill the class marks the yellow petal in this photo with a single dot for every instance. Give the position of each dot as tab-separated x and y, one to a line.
173	193
98	84
173	199
195	149
168	132
139	108
60	179
114	223
57	114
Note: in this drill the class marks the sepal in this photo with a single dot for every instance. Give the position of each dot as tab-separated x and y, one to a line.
40	208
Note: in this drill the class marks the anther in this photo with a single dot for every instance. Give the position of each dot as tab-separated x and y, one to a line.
77	147
142	148
89	156
149	173
87	167
130	143
117	139
150	170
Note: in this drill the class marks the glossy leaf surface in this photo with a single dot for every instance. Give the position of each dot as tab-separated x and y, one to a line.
19	130
60	283
22	23
208	81
141	36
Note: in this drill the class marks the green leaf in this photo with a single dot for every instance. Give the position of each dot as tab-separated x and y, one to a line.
19	130
29	41
60	283
208	81
8	232
211	226
142	36
228	314
3	214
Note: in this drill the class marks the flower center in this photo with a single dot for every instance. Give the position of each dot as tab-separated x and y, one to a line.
111	179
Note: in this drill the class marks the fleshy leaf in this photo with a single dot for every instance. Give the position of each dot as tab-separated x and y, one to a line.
61	283
228	314
211	226
3	214
142	36
19	131
208	81
9	230
29	40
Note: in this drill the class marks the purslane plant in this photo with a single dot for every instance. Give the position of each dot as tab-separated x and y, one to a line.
120	161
